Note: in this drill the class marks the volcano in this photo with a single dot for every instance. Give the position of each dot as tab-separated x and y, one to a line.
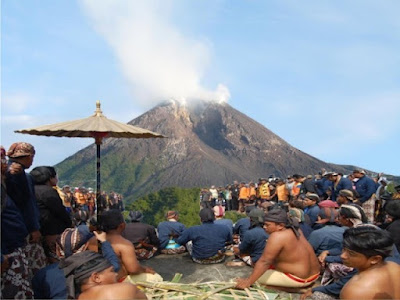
207	144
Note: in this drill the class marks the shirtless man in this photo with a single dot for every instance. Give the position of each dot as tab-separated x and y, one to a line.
365	249
288	259
94	278
112	222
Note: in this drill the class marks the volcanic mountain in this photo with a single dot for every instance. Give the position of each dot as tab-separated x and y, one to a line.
207	144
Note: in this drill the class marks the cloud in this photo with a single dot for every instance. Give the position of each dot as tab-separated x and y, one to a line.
158	59
17	102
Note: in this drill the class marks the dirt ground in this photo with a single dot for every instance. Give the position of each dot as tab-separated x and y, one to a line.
168	265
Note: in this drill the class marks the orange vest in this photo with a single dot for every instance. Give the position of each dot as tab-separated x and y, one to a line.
263	191
244	193
80	198
282	192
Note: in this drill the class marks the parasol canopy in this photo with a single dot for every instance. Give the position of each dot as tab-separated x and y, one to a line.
96	126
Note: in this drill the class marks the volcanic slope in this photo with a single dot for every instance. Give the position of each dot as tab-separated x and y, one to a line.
207	143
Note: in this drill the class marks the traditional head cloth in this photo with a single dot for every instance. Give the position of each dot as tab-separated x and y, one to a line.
71	265
328	203
348	194
171	214
256	216
313	197
20	149
393	208
297	213
41	175
206	215
280	216
135	216
357	217
73	240
219	211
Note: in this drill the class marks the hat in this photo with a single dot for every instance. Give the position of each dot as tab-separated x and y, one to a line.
20	149
347	193
171	214
73	240
359	171
309	176
328	203
393	208
66	186
135	216
219	211
313	197
276	215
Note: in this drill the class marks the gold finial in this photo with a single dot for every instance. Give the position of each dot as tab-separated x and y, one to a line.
98	111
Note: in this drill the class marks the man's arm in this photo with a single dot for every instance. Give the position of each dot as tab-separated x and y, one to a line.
271	252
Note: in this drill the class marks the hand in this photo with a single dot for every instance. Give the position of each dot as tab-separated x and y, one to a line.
242	283
149	270
15	168
5	264
322	256
101	236
306	294
35	237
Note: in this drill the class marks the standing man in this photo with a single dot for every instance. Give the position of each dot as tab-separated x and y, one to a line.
365	187
339	183
235	195
288	259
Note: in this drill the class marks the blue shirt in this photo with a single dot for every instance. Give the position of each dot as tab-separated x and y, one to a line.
343	184
226	222
241	226
365	187
253	243
312	212
326	238
167	228
207	239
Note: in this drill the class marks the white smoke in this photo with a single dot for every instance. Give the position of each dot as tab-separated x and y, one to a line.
158	61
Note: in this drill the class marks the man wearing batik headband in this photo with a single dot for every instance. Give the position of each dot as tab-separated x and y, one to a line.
49	282
365	249
21	189
91	276
288	259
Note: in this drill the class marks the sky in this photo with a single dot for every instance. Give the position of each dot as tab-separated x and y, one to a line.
323	75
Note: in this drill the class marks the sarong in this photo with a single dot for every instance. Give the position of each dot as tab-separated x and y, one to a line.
321	296
36	258
369	208
333	272
276	278
216	259
178	250
15	281
144	251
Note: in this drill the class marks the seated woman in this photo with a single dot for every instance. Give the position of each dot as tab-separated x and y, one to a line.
90	276
208	240
142	236
168	232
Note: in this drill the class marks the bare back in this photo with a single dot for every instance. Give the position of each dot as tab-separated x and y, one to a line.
296	256
374	283
113	291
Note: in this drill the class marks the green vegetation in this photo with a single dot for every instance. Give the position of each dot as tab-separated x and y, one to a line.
155	205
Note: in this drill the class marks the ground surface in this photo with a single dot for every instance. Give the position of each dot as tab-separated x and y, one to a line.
168	265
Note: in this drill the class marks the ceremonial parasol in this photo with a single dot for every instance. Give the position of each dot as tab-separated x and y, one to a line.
96	126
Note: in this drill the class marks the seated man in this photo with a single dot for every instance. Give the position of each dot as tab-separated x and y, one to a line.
208	239
168	232
143	236
94	278
365	249
219	212
288	259
252	246
112	222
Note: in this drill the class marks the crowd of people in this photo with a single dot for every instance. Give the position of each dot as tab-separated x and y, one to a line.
343	230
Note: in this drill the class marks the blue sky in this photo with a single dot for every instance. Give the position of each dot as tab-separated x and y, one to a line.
323	75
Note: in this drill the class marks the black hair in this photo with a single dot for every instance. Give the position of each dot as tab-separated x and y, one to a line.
207	215
349	214
368	240
110	220
392	207
41	175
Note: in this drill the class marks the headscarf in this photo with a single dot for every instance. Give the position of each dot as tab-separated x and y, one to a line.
20	149
358	217
280	216
348	194
73	240
256	217
219	211
171	214
297	213
135	216
72	263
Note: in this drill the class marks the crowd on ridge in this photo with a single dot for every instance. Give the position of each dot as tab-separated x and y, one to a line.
342	230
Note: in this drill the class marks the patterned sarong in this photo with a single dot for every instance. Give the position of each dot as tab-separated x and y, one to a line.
216	259
36	258
15	281
333	272
369	208
144	251
178	250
